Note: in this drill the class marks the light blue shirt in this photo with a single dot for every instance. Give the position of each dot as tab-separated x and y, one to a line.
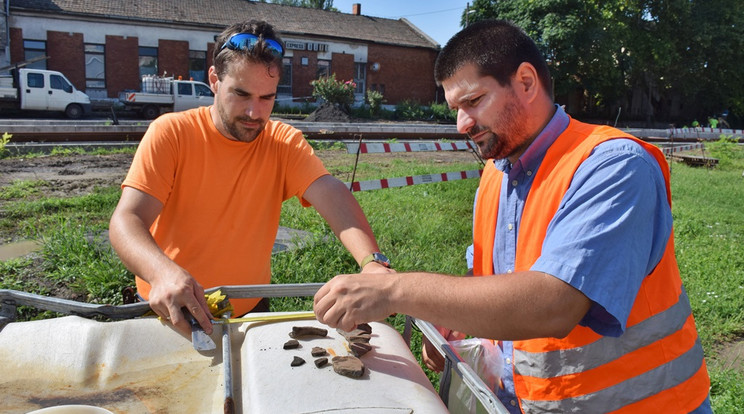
610	230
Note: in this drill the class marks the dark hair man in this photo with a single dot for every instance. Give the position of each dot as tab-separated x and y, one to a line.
572	234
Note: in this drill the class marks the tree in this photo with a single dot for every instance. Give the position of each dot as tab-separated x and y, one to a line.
658	60
310	4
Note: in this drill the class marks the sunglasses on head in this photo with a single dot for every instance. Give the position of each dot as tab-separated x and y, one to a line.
247	41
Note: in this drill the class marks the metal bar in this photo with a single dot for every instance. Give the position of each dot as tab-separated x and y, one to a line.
229	406
11	299
481	391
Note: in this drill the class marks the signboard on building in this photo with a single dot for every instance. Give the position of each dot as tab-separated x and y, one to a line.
297	45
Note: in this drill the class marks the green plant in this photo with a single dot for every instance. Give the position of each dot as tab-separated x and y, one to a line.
375	100
442	112
4	139
727	150
334	91
409	110
20	189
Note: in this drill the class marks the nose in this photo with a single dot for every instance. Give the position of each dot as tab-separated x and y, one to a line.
251	109
464	122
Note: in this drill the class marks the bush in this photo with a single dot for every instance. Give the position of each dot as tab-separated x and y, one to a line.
4	139
375	100
727	150
409	110
442	112
333	91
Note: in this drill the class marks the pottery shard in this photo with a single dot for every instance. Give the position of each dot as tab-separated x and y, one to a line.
321	362
360	348
318	351
355	336
291	344
300	331
297	361
362	333
348	366
364	327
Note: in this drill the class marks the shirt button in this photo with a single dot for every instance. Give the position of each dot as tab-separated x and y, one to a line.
513	403
510	226
515	183
508	361
529	173
509	271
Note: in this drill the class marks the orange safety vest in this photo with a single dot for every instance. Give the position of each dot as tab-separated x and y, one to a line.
656	365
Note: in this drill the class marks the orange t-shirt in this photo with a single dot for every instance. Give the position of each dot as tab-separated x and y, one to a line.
221	198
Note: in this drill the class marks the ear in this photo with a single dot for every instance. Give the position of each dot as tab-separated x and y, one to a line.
526	82
213	79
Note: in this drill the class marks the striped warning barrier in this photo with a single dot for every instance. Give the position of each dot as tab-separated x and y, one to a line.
413	180
669	150
380	147
705	133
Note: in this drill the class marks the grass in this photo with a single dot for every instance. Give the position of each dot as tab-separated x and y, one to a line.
424	227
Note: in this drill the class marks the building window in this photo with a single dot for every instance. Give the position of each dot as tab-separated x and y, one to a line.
360	76
285	83
95	73
35	49
198	65
148	61
324	69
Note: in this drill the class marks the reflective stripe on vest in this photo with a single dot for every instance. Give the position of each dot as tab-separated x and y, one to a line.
657	362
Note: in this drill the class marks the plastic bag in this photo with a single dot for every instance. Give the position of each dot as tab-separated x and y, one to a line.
486	360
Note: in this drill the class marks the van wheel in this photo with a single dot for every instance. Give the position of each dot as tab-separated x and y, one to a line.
150	112
74	111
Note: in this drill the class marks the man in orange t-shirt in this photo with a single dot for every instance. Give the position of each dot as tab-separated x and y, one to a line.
200	206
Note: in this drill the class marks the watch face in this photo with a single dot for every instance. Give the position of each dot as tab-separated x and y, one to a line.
381	259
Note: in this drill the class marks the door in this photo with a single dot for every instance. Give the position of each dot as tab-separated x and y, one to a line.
191	95
184	98
34	91
61	92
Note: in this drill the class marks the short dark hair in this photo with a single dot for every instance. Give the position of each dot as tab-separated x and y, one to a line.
497	48
258	54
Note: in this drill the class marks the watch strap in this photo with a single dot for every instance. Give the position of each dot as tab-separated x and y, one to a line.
375	257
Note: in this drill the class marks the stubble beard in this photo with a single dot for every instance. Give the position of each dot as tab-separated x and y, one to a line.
236	130
509	142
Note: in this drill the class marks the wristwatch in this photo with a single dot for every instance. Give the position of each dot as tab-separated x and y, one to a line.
376	257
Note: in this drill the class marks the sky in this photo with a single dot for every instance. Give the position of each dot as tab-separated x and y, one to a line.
440	19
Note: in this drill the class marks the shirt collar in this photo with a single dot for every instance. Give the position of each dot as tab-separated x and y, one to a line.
534	154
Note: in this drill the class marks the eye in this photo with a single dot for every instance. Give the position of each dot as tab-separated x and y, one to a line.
475	101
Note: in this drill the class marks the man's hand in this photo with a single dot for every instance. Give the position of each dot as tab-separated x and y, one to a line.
348	300
175	290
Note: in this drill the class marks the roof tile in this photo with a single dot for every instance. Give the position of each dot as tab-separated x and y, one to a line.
217	14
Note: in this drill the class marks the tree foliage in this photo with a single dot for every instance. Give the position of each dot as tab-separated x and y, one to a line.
310	4
651	60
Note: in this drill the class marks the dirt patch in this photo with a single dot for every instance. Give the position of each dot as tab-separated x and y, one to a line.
328	113
75	175
66	175
731	356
